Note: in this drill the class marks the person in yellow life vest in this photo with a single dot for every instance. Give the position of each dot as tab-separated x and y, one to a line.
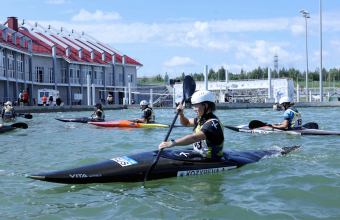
208	137
98	112
8	113
148	114
292	117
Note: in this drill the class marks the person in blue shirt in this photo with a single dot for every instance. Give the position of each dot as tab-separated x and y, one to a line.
292	117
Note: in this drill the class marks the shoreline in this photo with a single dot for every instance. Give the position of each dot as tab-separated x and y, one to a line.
219	106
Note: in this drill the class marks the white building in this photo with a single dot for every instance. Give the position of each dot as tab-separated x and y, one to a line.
245	90
35	57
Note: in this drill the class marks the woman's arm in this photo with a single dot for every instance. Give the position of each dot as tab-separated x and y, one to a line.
186	122
189	139
283	125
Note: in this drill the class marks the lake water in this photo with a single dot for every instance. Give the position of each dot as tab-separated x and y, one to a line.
301	185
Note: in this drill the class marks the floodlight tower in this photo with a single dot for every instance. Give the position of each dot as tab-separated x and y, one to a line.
306	15
276	63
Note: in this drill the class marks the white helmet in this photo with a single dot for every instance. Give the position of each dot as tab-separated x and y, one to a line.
8	103
202	96
284	99
144	102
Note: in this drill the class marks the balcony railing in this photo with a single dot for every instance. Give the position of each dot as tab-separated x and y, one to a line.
98	81
11	74
74	80
20	75
2	72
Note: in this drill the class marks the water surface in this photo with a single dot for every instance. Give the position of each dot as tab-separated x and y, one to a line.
302	185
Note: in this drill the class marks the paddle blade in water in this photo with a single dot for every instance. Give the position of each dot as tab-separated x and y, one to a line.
20	125
311	125
28	116
256	124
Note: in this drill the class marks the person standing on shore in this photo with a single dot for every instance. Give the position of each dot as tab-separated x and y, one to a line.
25	98
44	99
58	100
50	100
21	96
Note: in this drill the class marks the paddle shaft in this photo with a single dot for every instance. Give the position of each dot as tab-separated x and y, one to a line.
165	139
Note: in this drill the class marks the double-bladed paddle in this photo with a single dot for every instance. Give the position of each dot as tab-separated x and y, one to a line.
257	124
27	116
19	125
189	87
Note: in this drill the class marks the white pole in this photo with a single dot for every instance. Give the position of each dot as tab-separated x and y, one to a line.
151	98
205	77
298	93
321	92
129	93
93	94
310	96
306	63
88	90
125	96
227	76
174	98
269	83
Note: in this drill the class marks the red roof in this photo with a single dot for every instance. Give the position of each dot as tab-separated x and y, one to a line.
39	46
9	42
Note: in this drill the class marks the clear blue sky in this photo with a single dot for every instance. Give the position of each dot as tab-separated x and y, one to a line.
183	36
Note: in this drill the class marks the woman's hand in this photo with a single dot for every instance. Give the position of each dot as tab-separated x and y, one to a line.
165	145
180	107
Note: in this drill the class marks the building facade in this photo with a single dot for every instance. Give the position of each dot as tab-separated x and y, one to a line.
83	69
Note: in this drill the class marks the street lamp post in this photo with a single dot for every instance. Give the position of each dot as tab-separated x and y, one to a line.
305	14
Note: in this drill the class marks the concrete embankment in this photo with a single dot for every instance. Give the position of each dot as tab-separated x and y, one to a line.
68	108
75	108
270	105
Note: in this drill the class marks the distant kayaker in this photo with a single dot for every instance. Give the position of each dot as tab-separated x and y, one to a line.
148	115
8	113
292	117
208	137
99	113
276	106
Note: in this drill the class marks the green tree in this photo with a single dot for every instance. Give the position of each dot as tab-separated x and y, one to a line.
166	77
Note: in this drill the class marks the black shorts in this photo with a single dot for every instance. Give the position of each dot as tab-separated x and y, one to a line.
24	101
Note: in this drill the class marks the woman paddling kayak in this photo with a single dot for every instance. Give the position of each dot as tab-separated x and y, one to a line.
98	112
208	137
148	114
292	117
8	113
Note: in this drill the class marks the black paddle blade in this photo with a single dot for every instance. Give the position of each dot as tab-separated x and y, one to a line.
256	124
189	87
20	125
28	116
311	125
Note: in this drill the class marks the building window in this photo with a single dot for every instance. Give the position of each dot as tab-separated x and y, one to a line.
39	74
129	78
120	77
10	59
50	75
2	61
63	75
